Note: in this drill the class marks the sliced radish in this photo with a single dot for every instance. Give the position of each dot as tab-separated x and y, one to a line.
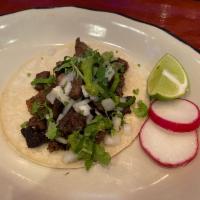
165	147
179	115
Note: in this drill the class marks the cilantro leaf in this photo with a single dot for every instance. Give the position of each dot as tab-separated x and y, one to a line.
101	155
136	91
88	164
129	102
98	124
48	81
24	125
141	110
75	140
35	107
52	130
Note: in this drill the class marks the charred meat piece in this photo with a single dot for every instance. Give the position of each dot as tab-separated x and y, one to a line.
62	71
55	146
100	136
59	78
40	98
37	123
33	137
80	47
76	91
126	110
119	90
44	74
98	106
72	121
121	66
57	108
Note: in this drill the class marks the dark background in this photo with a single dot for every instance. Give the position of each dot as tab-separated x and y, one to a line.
179	17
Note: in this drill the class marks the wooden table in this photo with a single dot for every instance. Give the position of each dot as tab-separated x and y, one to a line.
179	17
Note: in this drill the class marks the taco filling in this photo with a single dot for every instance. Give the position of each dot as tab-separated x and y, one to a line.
80	106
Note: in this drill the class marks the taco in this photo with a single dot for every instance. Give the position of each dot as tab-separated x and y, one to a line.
74	107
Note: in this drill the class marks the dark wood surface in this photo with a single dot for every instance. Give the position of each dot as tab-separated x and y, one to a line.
179	17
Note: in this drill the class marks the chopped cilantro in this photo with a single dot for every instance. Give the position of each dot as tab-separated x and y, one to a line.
35	107
48	81
100	155
28	74
52	130
88	150
129	102
141	110
24	125
136	91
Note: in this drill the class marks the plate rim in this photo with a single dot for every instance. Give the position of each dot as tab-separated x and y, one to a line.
162	29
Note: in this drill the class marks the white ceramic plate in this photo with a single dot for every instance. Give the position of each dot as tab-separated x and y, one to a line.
132	175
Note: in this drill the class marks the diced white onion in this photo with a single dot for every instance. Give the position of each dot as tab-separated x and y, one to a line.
67	78
63	80
112	140
110	72
97	112
116	123
127	129
89	118
69	157
94	98
85	93
67	88
65	110
60	94
51	96
70	76
123	99
108	104
82	107
61	140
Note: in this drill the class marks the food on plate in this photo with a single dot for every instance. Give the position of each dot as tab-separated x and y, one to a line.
160	134
168	79
167	148
179	115
75	108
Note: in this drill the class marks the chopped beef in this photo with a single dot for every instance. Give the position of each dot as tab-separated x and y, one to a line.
120	62
57	108
126	110
124	63
98	106
37	123
119	90
33	137
76	91
44	74
72	121
80	47
59	78
100	136
58	64
40	97
55	146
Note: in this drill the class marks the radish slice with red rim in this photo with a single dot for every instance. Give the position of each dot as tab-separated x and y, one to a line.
179	115
165	147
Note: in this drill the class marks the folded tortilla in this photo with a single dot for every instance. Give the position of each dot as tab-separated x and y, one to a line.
13	109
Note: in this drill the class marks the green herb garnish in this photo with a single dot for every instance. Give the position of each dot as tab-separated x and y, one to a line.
136	91
24	125
52	130
48	81
141	110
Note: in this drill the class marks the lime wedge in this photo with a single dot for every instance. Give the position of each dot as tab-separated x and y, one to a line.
168	79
